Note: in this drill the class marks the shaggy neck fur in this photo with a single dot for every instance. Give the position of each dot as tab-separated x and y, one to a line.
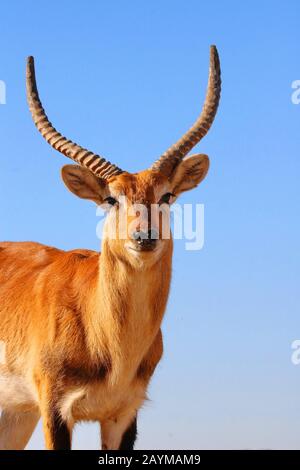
129	304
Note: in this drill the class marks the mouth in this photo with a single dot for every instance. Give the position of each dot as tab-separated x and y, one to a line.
143	249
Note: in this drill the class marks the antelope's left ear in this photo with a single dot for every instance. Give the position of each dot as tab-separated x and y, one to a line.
189	173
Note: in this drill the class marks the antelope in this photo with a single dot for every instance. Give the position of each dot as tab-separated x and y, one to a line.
81	330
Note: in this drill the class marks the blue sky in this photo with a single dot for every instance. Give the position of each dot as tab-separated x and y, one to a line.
126	79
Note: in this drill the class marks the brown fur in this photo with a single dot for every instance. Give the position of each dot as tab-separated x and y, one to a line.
81	329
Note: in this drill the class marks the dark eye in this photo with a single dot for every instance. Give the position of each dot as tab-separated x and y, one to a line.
165	199
111	200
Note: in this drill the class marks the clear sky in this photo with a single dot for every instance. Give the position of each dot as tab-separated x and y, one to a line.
126	79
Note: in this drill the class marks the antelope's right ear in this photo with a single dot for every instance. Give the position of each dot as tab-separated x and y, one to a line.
84	184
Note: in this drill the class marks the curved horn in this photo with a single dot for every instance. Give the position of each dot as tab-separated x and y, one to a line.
96	164
170	159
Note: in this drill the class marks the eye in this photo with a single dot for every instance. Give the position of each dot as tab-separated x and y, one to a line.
111	200
165	199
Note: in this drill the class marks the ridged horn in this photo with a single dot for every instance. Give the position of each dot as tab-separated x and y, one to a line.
96	164
170	159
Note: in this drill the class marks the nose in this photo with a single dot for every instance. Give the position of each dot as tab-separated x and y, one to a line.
146	240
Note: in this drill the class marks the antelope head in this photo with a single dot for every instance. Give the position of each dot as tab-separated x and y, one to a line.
134	194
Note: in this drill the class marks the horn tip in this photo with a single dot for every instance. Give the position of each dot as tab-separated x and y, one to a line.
214	50
30	65
214	57
30	60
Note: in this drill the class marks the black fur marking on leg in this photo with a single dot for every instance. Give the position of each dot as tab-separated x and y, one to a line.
129	437
60	432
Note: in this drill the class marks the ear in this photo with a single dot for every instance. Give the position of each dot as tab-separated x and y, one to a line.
189	173
84	184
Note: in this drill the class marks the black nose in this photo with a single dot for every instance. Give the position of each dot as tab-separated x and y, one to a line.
146	239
